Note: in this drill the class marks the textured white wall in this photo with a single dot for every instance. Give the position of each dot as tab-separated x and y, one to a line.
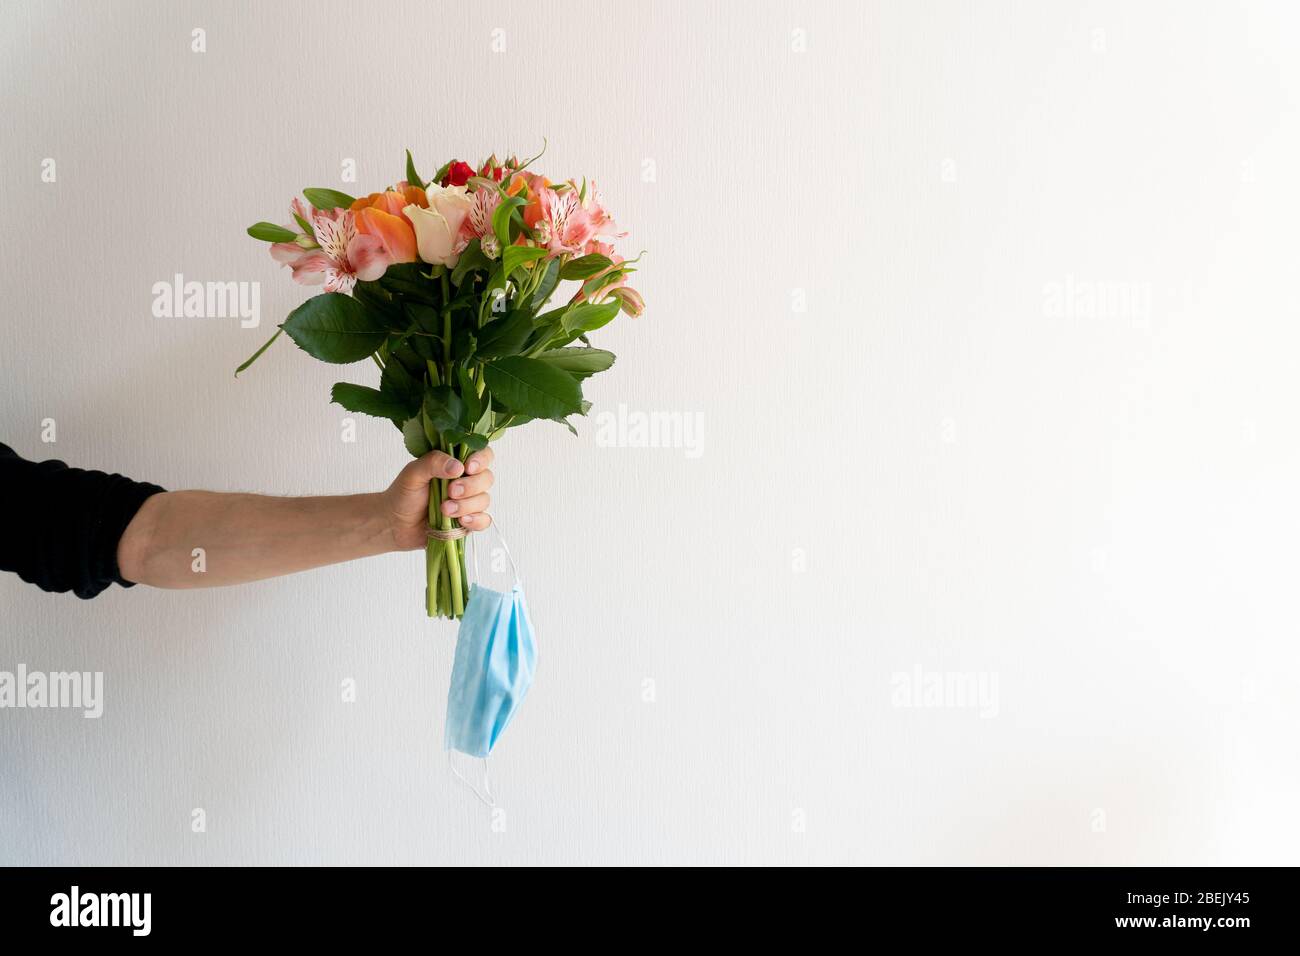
951	460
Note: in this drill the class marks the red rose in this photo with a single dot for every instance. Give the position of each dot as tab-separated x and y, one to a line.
458	174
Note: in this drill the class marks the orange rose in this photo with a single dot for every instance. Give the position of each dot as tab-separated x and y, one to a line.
380	215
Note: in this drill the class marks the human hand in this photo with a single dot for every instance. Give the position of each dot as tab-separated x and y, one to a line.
406	502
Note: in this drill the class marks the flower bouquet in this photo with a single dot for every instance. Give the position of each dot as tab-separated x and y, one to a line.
445	286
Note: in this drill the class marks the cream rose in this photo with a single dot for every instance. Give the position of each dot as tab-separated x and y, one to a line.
437	229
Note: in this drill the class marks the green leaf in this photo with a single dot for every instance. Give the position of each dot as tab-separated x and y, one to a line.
335	328
443	408
501	218
378	299
409	279
596	283
578	361
463	342
306	226
585	266
586	317
270	232
401	350
532	387
401	386
469	395
586	407
471	440
484	423
516	256
425	317
472	258
504	336
442	171
425	347
430	433
258	354
412	176
369	401
497	280
413	437
551	318
550	280
327	198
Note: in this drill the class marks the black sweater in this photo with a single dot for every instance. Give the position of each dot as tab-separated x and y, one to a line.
63	524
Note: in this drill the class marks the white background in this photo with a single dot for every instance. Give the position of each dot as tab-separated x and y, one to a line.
934	465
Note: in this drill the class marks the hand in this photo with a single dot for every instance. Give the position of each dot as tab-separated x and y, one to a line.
406	501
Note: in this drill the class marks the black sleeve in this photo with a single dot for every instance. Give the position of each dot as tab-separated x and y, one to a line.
61	525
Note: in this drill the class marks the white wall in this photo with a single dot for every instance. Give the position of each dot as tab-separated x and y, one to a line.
950	461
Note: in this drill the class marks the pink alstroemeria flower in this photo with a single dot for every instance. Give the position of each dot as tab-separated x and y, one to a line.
342	255
602	223
566	223
478	224
563	225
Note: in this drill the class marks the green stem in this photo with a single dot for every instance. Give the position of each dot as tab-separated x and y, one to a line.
446	323
452	558
433	555
444	591
445	578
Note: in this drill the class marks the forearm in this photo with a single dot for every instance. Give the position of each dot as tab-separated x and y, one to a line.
247	537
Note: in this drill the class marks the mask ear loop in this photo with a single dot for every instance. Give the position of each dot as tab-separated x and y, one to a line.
489	800
472	543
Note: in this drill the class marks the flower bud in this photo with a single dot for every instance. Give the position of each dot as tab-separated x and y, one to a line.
629	299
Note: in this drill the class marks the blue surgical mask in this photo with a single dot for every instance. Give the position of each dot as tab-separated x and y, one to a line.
493	668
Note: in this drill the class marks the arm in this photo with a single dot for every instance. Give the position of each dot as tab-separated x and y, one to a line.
61	525
250	537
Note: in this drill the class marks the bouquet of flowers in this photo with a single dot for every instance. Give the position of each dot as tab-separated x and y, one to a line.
445	286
